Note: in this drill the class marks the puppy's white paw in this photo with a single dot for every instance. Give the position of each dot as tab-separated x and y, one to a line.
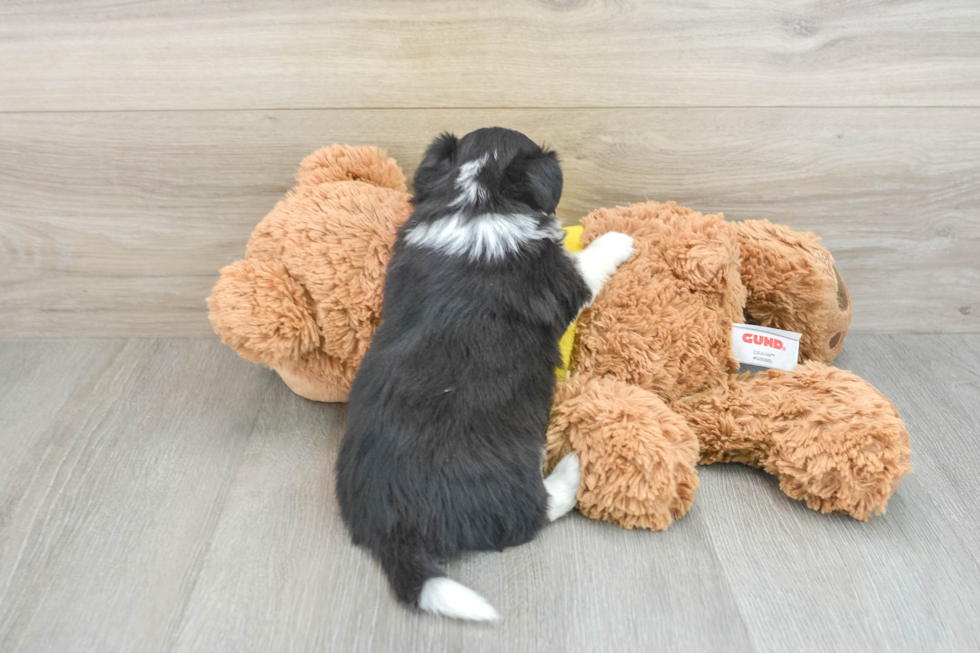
599	260
562	486
618	247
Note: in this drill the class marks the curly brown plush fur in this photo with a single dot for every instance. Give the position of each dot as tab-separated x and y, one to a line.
663	322
794	285
830	437
307	297
653	389
637	455
657	343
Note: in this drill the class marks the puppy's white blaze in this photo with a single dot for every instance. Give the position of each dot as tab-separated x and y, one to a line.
490	236
562	486
598	261
470	188
450	599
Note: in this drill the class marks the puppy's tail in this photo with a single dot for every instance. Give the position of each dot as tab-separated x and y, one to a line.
417	580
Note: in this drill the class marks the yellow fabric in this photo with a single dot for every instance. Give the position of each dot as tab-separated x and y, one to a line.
573	243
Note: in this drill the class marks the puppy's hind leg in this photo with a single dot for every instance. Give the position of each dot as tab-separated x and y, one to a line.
562	486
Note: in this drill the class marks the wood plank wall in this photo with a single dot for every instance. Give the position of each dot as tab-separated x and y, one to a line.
141	142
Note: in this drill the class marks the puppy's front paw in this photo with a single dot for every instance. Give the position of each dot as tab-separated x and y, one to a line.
599	260
618	247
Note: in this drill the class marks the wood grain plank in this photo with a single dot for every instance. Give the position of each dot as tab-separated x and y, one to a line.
937	392
111	495
93	55
37	382
115	224
906	581
181	500
282	574
811	582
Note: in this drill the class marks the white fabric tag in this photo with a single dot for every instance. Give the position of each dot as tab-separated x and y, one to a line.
765	346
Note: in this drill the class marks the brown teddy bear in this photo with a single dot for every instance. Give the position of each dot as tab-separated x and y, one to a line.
652	389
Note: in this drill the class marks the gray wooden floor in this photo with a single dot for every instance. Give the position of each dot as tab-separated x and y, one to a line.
163	495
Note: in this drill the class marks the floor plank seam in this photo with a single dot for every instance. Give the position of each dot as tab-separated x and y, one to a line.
179	621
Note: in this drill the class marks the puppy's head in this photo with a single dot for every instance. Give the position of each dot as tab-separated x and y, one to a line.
489	169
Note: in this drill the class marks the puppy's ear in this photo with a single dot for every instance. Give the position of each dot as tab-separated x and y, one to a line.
536	180
436	165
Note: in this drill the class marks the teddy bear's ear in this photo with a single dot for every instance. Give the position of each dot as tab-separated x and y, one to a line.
348	163
436	166
536	180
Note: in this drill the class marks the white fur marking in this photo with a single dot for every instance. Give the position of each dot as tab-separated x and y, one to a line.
489	236
470	188
448	598
598	261
562	486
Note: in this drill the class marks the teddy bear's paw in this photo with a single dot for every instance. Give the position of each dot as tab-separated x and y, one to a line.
562	486
856	475
836	443
638	457
599	260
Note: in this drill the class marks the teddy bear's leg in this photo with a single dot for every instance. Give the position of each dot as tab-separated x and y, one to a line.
830	437
793	284
637	456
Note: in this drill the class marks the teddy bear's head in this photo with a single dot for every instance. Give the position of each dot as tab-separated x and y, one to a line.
306	298
794	285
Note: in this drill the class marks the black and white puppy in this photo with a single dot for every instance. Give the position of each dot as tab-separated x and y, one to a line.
448	413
